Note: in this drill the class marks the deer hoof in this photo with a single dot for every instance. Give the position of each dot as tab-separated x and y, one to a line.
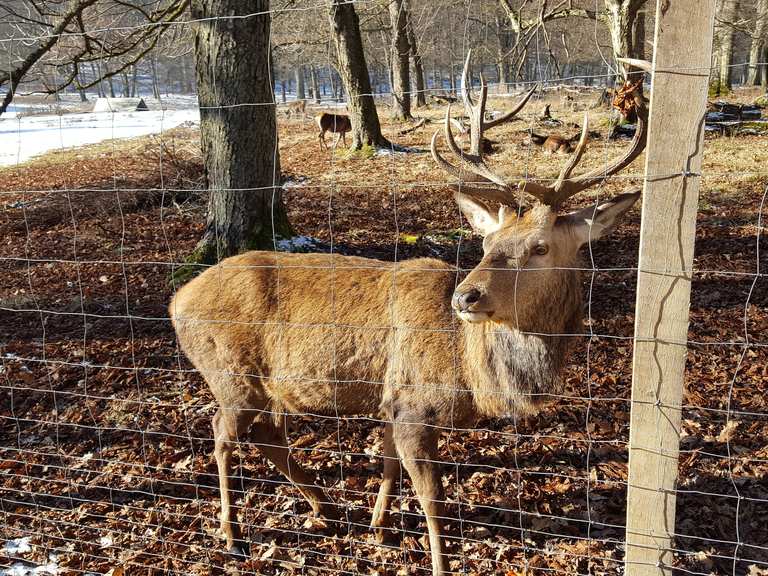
385	536
239	550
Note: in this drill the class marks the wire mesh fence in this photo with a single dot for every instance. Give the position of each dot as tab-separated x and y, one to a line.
107	444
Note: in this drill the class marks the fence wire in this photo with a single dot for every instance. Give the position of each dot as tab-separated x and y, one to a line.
106	450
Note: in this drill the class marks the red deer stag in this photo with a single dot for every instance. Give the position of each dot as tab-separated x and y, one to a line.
275	334
338	123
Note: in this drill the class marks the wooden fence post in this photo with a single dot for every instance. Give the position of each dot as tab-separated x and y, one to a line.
682	55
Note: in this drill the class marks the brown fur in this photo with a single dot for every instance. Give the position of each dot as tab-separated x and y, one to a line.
554	143
338	123
296	108
276	334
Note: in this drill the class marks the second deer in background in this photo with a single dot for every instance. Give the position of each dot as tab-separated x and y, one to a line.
338	123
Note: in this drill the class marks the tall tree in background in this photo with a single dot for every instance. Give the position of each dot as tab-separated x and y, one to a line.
757	70
239	139
418	65
627	29
726	15
106	36
400	59
366	130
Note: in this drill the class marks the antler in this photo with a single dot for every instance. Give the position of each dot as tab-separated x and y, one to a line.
476	112
479	180
565	186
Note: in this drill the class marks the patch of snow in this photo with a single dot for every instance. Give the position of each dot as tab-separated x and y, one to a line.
17	546
298	183
393	151
298	244
22	569
28	136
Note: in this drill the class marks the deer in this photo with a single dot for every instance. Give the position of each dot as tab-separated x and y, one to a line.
275	334
296	108
554	143
338	123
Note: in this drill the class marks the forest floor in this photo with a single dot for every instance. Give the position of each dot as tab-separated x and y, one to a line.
105	430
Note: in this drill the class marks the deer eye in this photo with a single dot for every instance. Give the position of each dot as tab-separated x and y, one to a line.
541	249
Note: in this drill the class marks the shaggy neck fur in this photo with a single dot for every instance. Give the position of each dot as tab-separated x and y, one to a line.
511	369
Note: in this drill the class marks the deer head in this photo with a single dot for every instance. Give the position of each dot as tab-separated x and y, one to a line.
528	256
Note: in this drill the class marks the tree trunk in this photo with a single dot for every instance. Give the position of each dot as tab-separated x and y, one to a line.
315	84
97	76
134	81
726	15
366	130
155	83
301	93
418	65
758	41
80	91
622	17
283	95
240	146
401	77
505	44
126	84
111	84
764	81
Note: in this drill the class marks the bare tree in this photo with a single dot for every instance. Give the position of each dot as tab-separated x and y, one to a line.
366	130
724	32
418	65
401	78
73	33
239	140
757	72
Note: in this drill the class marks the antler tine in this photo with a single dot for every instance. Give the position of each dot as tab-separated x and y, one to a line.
565	186
581	147
635	149
466	95
512	113
479	180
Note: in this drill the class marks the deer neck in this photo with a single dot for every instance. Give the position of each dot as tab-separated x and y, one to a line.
512	369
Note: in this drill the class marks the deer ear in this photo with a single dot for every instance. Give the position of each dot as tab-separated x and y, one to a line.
596	221
482	219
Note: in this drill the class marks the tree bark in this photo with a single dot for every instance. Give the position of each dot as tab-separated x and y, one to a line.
155	83
315	84
301	93
418	64
239	141
758	42
626	40
764	81
725	17
401	76
126	85
504	37
134	81
366	130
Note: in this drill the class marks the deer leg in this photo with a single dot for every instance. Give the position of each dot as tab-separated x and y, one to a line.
323	145
271	443
228	426
336	142
382	518
344	139
417	446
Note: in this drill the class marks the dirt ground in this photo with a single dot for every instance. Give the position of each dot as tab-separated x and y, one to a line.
105	435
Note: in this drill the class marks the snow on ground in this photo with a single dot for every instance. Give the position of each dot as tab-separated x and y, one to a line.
23	137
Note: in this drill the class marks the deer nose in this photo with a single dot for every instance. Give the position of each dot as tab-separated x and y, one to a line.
463	300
